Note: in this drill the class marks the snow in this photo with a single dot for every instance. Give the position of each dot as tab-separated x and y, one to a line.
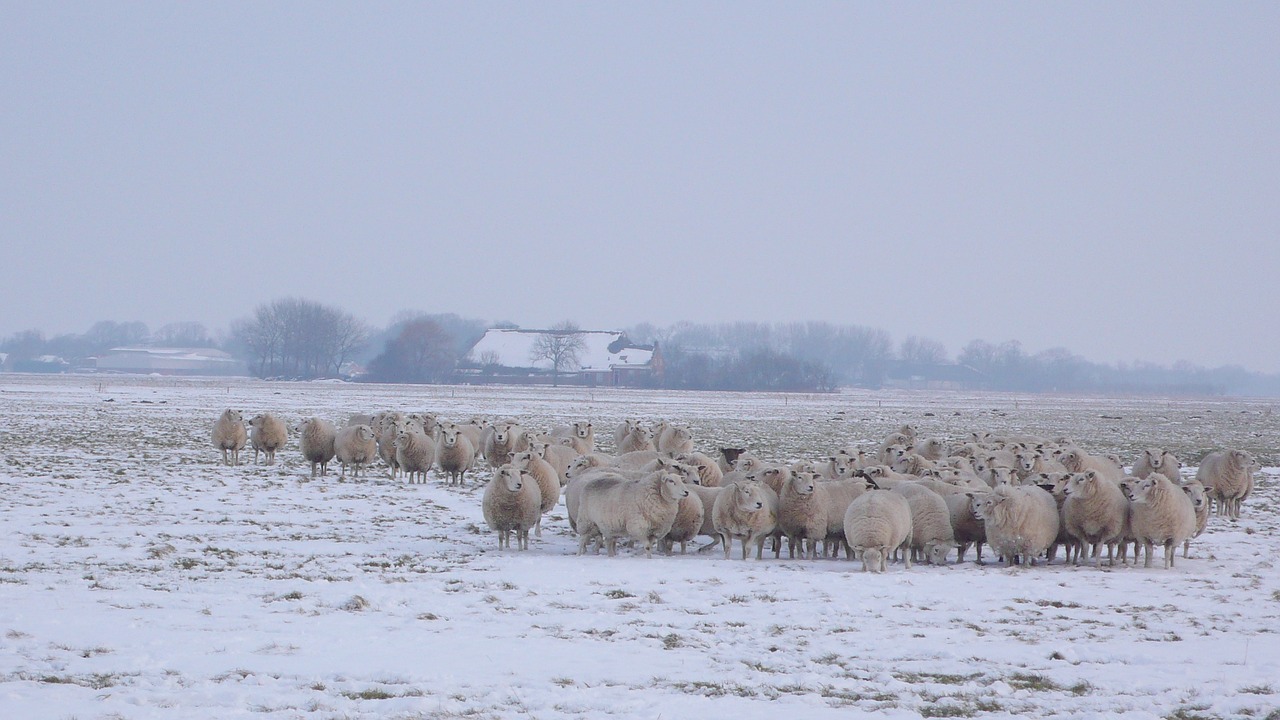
140	578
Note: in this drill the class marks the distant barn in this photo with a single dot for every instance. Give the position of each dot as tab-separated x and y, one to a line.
170	361
608	358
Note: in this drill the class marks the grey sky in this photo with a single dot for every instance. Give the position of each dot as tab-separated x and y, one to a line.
1099	176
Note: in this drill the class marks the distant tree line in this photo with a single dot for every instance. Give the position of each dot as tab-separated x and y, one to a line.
304	339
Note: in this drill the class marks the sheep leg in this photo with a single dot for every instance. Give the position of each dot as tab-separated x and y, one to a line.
1147	551
537	527
727	539
1170	552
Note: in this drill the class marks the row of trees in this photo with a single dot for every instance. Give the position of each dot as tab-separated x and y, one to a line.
298	338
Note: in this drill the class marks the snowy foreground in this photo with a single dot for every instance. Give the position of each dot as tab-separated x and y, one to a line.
140	578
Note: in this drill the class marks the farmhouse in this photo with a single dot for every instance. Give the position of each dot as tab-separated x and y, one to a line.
607	358
170	361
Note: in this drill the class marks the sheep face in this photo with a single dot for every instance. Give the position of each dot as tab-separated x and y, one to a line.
1142	490
749	497
450	437
1195	491
873	559
512	478
985	505
1082	484
672	488
936	552
582	429
1071	459
1026	461
804	484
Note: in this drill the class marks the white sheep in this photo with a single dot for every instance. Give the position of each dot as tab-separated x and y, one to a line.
688	523
229	436
802	514
415	452
1156	460
934	449
386	427
316	437
932	536
1162	513
643	510
455	454
1021	522
637	439
580	434
355	445
709	472
506	438
267	433
1200	503
546	476
1076	460
511	503
1094	513
675	440
877	524
626	428
745	510
840	494
1227	476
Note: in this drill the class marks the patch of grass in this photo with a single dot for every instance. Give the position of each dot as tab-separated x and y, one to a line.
940	678
670	641
1191	712
355	603
1258	690
969	708
370	694
617	594
654	597
1032	681
738	599
295	595
564	681
1081	688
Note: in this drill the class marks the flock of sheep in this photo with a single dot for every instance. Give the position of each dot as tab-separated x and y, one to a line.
914	497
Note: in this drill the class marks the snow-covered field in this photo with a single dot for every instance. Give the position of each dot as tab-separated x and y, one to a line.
140	578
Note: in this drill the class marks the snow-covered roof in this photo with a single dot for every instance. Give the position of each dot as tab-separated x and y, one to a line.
605	350
176	353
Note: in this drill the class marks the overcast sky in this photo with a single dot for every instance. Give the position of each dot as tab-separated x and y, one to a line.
1103	177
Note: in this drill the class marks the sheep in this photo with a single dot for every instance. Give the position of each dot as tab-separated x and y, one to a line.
688	523
355	445
931	533
931	449
559	454
1030	463
966	529
802	513
506	438
635	458
638	438
578	481
359	419
1200	503
675	440
1077	460
267	433
893	440
1227	476
1156	460
548	481
643	510
1021	522
387	427
744	510
709	472
415	452
1056	485
729	457
840	493
886	479
229	436
876	524
455	454
316	437
580	434
912	464
708	497
628	426
1094	513
838	466
511	502
1161	513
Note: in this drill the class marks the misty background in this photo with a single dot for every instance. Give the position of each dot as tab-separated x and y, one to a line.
1093	185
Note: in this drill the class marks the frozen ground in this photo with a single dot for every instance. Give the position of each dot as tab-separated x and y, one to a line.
140	578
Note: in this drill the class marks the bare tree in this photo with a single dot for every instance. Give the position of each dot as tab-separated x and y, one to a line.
562	346
299	338
183	334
